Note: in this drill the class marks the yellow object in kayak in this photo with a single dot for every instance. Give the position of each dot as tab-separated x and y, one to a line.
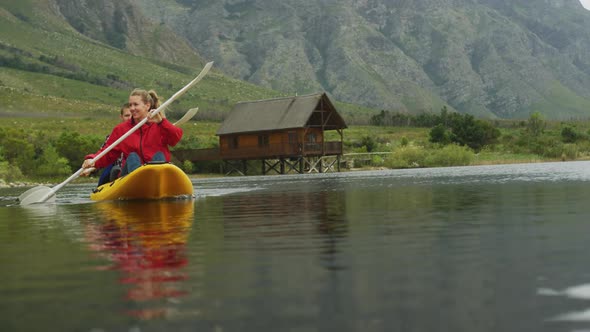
150	181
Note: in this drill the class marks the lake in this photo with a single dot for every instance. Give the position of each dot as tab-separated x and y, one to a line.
480	248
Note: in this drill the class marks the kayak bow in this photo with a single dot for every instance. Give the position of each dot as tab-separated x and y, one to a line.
150	181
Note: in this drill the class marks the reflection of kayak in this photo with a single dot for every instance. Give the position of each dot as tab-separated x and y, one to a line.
146	242
151	224
151	181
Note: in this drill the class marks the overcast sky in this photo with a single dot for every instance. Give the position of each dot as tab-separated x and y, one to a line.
585	3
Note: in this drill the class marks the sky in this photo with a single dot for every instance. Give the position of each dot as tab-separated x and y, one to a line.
585	3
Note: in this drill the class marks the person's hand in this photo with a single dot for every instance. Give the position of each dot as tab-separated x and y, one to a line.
156	118
88	166
87	171
88	163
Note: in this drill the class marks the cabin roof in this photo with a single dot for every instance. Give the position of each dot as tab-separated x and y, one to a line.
279	114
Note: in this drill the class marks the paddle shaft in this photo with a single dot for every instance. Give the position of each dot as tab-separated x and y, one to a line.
131	131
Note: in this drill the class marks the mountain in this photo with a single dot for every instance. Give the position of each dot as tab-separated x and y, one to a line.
491	58
80	59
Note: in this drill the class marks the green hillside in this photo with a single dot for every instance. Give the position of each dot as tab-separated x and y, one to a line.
48	67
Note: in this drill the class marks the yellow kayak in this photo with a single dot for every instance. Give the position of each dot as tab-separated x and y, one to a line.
151	181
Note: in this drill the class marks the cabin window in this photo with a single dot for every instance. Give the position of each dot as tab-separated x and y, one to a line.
311	137
262	141
292	137
233	142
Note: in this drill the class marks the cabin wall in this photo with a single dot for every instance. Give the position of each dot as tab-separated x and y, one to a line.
278	144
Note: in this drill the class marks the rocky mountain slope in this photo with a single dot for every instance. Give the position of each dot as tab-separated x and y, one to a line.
120	24
491	58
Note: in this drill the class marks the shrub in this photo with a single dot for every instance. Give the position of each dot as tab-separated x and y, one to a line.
536	124
439	134
450	155
188	166
17	149
52	164
569	152
404	141
74	147
369	143
9	172
377	160
569	134
189	142
406	157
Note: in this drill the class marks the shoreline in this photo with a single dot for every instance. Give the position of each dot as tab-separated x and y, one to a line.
25	183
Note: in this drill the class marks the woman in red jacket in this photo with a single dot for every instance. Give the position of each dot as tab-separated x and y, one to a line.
148	143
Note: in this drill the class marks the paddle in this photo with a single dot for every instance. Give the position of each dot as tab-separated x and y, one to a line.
41	194
187	116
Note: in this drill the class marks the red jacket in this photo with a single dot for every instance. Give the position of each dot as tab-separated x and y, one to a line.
145	141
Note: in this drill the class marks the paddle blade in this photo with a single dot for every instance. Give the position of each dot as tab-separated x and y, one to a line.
37	195
187	116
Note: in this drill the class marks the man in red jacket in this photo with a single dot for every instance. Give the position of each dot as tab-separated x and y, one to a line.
148	143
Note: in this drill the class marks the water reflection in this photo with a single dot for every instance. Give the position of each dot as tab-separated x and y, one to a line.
146	243
277	216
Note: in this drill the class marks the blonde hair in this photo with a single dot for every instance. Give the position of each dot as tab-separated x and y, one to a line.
148	97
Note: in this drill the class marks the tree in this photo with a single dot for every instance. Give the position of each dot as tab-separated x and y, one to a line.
536	124
569	134
439	134
369	143
463	129
51	164
74	147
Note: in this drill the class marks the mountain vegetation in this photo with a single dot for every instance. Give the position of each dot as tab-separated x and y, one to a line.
423	73
489	58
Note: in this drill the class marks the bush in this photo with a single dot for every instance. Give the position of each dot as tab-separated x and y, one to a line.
536	124
187	166
377	160
369	143
450	155
569	152
404	141
406	157
74	147
189	142
439	134
9	172
569	134
51	164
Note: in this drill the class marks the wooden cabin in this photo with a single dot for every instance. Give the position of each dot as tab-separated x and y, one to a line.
285	133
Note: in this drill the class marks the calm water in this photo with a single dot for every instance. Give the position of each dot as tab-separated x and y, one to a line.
494	248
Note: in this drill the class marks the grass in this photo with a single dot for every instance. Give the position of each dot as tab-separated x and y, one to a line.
387	138
23	91
492	158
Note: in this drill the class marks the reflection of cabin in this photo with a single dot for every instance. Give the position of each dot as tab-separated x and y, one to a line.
286	134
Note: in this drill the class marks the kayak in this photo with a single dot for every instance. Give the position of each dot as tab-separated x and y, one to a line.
150	181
